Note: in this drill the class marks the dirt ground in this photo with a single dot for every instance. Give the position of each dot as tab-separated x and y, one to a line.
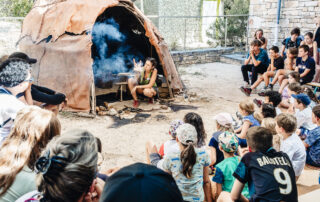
212	88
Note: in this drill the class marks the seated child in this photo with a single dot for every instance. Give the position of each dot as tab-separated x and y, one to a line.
270	123
293	41
312	142
268	173
275	65
246	108
171	146
291	144
293	77
303	113
223	124
271	97
268	111
313	98
189	166
196	120
289	66
228	144
305	65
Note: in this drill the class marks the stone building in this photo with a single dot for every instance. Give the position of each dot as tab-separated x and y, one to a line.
293	13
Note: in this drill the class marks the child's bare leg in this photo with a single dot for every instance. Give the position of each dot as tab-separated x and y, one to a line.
283	85
266	77
256	84
276	77
281	78
150	148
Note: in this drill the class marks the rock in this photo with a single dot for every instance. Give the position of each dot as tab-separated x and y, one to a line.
164	107
112	112
97	109
102	113
102	108
192	94
106	104
166	110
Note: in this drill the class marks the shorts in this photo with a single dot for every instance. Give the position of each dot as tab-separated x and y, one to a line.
154	158
309	160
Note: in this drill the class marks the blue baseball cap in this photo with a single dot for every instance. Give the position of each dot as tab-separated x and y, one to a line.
303	98
141	183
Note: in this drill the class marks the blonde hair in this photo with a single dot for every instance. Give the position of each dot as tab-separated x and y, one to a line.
269	123
70	177
227	127
34	128
247	106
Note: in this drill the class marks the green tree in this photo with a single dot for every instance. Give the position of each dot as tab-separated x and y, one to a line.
15	8
236	26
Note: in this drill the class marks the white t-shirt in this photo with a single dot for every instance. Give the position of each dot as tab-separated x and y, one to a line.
295	149
9	106
169	147
304	119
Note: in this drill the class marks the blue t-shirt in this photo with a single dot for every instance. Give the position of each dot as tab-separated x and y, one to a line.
252	120
270	176
308	64
313	140
262	56
214	142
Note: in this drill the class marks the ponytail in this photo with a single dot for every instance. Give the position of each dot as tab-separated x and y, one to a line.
188	158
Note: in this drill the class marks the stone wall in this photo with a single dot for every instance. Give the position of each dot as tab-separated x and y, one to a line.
294	13
199	56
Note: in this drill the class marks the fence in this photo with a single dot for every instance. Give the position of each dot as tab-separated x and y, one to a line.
179	32
194	32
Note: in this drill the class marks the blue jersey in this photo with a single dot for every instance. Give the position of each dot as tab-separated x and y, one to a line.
270	176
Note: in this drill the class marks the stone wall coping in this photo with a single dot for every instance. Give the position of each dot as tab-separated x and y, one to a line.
202	50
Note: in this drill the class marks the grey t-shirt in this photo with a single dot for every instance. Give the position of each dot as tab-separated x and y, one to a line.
24	183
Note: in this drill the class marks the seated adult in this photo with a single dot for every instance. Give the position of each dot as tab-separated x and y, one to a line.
276	64
141	183
34	128
67	170
39	93
14	79
257	62
146	83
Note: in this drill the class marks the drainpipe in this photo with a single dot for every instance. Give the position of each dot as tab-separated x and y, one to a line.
276	34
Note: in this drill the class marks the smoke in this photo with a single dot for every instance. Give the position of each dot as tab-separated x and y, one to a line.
112	54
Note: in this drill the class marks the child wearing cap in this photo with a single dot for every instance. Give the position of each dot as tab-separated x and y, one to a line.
246	108
14	79
268	173
303	113
223	124
228	144
171	146
291	144
312	142
189	166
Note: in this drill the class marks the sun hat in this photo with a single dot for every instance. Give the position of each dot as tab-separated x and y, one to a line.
228	141
13	72
223	119
187	133
174	126
141	183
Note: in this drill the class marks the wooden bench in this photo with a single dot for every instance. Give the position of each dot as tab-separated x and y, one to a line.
314	84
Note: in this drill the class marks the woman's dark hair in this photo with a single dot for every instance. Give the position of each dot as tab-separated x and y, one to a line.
268	111
310	93
196	120
258	30
153	61
310	34
263	40
188	158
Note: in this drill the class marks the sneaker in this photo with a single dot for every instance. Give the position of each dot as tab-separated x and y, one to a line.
254	91
270	86
150	100
135	103
246	91
258	102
